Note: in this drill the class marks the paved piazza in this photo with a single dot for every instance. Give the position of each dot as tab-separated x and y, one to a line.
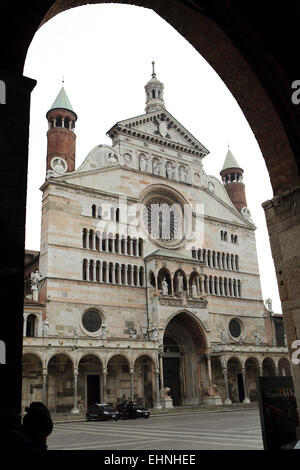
238	430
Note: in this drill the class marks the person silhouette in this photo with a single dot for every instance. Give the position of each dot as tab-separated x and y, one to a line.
32	435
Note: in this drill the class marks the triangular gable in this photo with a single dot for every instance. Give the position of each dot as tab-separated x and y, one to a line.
160	124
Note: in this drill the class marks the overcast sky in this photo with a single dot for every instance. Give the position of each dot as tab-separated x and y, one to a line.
104	54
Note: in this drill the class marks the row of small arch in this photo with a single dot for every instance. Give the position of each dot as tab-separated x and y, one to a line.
269	363
218	260
205	284
104	362
112	243
59	121
113	273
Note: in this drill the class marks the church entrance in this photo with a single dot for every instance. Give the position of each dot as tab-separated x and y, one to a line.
172	378
184	348
93	389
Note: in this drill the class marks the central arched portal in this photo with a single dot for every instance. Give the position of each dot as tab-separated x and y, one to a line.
184	369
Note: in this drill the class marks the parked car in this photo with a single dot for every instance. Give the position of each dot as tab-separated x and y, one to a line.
101	411
132	410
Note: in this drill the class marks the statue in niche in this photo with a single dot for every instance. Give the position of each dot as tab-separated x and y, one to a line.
131	334
75	333
179	283
45	328
169	170
156	169
104	332
223	336
194	290
164	287
143	164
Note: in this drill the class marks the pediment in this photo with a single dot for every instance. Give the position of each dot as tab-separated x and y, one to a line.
159	125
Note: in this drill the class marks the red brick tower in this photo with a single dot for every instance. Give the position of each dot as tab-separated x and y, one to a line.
61	138
232	177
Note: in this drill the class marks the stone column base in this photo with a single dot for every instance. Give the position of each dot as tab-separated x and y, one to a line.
158	406
167	403
246	400
212	401
75	411
227	401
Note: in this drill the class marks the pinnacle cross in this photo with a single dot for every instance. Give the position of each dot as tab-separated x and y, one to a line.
153	70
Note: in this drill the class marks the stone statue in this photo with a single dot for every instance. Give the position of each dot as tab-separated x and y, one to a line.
143	164
131	334
223	336
75	333
165	393
156	170
36	277
104	332
194	290
164	287
269	304
169	171
179	283
257	339
155	334
45	328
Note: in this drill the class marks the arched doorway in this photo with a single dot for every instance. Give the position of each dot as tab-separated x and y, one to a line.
235	380
32	382
284	367
118	387
60	384
252	371
183	359
145	381
268	367
89	381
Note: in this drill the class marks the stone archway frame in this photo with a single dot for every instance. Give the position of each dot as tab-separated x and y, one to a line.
251	77
205	330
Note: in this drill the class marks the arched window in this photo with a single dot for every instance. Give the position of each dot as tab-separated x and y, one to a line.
117	273
123	274
141	276
104	271
135	275
239	289
118	215
220	286
210	285
141	247
93	210
84	237
110	273
84	270
225	287
91	238
58	122
98	271
97	240
110	242
209	258
237	262
194	255
30	326
153	93
134	247
91	270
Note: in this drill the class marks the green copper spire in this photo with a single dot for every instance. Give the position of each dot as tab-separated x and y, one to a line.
62	101
230	162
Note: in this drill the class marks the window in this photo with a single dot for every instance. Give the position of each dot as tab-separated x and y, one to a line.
30	326
235	328
91	321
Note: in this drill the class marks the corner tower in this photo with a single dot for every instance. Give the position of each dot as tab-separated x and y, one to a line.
232	177
61	139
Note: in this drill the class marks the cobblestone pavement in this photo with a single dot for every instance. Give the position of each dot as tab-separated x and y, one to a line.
238	430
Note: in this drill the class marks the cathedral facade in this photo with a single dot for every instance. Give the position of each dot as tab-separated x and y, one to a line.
147	277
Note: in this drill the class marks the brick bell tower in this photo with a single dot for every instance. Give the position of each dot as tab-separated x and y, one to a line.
61	139
232	177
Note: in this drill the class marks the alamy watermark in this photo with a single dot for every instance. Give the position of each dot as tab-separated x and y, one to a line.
2	352
296	354
158	220
296	94
2	92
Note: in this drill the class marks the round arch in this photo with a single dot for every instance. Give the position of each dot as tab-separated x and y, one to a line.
184	369
60	390
243	68
32	381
